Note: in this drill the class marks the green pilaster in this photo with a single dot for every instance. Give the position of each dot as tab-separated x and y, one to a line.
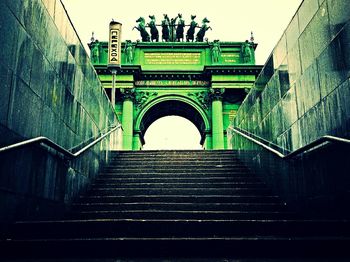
217	120
127	121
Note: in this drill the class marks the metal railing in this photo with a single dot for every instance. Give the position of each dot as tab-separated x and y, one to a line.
317	143
68	154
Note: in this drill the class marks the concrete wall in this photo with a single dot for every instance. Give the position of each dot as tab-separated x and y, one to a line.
303	93
48	88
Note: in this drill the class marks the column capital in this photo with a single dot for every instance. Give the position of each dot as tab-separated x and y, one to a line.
216	93
128	93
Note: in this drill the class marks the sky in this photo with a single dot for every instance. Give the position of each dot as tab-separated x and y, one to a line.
230	20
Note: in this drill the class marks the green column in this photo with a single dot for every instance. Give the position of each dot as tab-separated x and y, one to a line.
208	142
136	144
217	120
127	121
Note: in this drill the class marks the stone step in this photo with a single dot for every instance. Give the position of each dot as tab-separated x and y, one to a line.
175	152
181	214
175	169
108	206
111	228
179	159
165	155
181	249
187	157
151	156
157	164
180	199
179	191
169	154
174	174
177	185
125	179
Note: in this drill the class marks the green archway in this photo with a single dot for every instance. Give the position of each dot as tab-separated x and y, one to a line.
171	105
178	78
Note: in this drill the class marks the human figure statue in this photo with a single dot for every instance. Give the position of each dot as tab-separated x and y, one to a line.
216	51
95	52
172	29
180	29
154	30
204	28
191	30
165	28
142	29
246	52
129	52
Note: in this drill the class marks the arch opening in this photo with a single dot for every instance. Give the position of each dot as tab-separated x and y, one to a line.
172	132
173	107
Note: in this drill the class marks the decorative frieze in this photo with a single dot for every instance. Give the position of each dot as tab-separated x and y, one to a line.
143	97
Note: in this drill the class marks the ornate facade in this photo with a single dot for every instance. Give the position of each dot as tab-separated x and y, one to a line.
204	82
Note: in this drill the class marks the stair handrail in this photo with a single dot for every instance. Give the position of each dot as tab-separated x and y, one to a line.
51	144
311	145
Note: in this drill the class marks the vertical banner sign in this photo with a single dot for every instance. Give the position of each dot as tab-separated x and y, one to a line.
114	45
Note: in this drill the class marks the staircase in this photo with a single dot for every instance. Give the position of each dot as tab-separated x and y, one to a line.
180	204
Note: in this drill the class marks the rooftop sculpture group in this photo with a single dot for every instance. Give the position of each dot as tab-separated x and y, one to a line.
172	29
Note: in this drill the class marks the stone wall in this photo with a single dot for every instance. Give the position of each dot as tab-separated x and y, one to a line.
303	93
48	88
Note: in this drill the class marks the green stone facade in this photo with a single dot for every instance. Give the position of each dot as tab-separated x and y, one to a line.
204	82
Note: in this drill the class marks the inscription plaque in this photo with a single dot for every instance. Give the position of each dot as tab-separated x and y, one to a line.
167	58
230	58
163	83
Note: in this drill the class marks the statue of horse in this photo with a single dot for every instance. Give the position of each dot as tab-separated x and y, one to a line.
201	32
180	28
165	28
190	31
142	29
154	30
